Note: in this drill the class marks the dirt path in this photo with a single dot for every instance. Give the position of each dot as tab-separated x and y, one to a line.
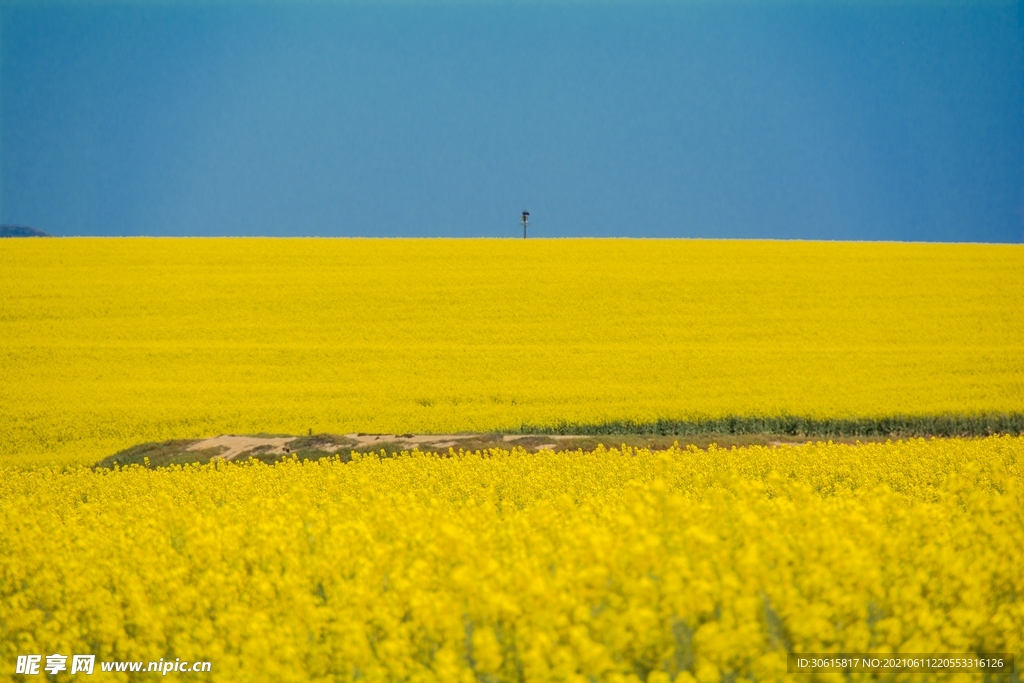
236	445
446	441
231	446
270	448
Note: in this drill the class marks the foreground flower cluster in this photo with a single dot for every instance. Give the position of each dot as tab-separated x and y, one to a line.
614	565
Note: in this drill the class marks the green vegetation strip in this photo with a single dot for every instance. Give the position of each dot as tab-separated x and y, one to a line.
795	425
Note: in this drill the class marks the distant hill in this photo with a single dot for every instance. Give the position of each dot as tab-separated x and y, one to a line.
20	231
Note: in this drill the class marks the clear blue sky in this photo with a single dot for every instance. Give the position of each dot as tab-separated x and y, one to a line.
783	120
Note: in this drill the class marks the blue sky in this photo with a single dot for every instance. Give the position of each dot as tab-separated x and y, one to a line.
878	121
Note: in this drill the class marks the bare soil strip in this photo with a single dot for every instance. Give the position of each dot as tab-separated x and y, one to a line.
443	442
270	448
231	446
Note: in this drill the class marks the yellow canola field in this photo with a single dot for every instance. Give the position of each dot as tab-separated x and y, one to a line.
105	343
615	565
